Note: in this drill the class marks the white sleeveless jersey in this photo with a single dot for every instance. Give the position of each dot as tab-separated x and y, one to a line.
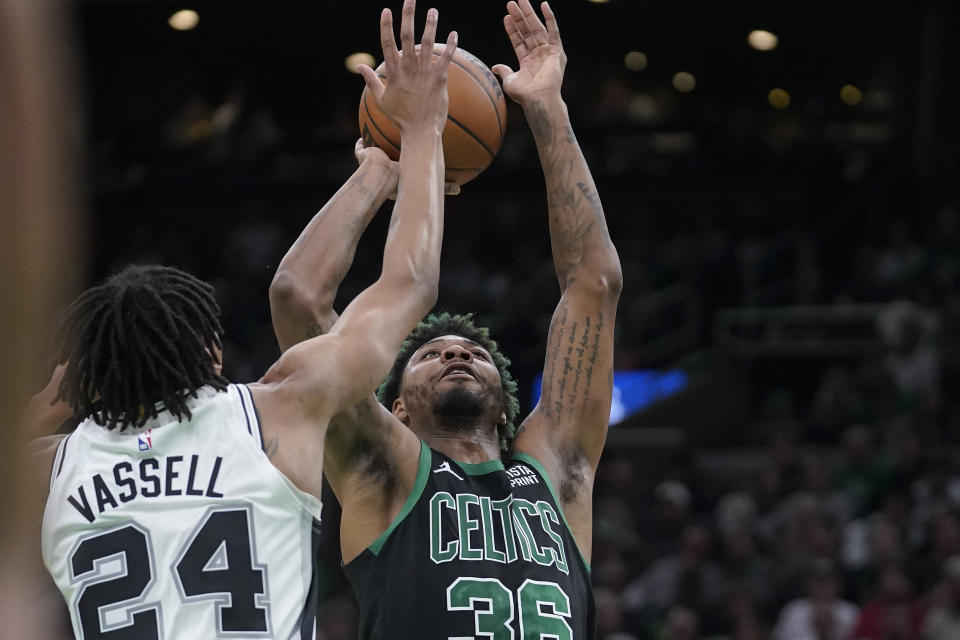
181	530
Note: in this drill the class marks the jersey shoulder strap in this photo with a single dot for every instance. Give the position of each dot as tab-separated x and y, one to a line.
58	459
419	484
250	416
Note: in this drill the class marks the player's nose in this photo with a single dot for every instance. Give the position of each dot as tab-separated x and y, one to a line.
454	352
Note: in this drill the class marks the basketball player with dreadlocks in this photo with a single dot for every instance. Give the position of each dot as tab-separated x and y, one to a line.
455	523
184	506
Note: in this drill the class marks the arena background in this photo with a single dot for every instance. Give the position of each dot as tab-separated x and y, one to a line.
791	266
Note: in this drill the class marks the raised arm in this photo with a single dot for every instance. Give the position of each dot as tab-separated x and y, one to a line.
316	379
365	340
305	285
567	429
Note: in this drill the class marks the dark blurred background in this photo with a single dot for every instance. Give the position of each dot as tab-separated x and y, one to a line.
789	227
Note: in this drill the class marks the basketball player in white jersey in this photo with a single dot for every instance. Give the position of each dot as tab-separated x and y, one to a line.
184	506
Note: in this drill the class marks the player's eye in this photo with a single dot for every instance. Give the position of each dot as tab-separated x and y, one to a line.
480	354
430	354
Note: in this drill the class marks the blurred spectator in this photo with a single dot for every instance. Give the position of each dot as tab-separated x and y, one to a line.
871	546
943	620
893	613
822	615
944	544
610	620
680	624
671	513
862	474
687	578
912	361
745	566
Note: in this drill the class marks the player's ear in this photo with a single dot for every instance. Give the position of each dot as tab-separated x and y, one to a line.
502	422
400	412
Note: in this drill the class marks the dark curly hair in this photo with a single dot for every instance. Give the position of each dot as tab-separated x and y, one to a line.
444	324
142	341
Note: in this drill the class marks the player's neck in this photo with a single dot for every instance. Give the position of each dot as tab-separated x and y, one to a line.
470	446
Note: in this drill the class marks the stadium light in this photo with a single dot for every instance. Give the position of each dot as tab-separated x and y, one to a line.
635	61
355	59
763	40
778	98
851	95
684	82
598	1
184	20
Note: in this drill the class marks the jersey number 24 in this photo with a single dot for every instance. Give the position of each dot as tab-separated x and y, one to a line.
116	570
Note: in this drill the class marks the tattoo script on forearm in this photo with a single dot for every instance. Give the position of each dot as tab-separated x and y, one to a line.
573	348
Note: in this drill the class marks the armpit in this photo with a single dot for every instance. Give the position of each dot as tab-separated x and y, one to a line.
574	473
360	441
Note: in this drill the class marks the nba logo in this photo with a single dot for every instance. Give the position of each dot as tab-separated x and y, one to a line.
143	441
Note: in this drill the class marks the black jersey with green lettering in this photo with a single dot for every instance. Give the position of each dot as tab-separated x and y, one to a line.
478	551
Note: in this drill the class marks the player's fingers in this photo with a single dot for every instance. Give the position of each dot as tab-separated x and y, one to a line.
502	70
406	28
450	49
513	9
553	30
429	35
387	41
537	31
373	81
515	38
451	189
521	25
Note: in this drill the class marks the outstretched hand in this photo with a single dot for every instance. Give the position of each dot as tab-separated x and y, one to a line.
539	52
416	93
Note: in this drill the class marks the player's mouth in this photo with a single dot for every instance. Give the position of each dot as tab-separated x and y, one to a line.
458	370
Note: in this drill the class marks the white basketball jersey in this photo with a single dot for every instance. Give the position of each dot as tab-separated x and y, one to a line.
181	530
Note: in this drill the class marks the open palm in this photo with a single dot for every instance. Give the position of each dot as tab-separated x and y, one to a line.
539	53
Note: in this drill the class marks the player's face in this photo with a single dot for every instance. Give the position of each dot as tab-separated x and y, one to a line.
453	370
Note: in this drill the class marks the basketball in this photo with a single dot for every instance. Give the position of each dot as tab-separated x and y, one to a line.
476	120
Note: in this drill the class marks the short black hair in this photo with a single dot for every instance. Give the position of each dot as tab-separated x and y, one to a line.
444	324
143	341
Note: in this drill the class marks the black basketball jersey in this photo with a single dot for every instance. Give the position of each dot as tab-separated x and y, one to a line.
478	551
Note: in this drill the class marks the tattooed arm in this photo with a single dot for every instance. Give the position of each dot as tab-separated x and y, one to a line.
567	429
305	285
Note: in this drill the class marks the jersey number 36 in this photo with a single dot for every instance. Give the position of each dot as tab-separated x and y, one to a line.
541	612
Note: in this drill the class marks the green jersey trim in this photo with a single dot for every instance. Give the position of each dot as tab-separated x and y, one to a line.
481	468
423	472
533	462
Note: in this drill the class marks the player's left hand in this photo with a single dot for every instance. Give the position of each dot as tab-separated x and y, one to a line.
539	53
376	155
45	412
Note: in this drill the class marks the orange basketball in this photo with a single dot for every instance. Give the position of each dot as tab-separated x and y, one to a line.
476	121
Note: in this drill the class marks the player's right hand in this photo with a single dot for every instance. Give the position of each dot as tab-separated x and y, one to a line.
415	96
